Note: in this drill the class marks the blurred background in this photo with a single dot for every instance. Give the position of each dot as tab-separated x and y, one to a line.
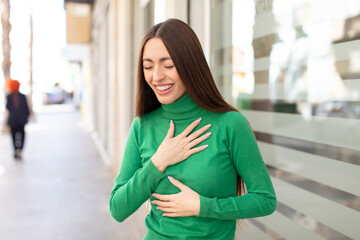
291	67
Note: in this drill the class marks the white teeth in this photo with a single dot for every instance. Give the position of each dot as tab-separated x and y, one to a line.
163	88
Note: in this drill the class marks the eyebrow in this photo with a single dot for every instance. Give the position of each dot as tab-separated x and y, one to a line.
161	59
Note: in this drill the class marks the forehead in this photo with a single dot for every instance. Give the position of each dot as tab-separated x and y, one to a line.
155	49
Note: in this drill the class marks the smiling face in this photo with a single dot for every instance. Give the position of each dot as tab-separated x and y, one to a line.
160	72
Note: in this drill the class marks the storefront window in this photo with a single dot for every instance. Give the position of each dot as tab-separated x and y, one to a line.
293	69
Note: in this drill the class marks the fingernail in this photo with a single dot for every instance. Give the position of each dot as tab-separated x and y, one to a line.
209	125
206	146
208	134
199	119
170	178
171	121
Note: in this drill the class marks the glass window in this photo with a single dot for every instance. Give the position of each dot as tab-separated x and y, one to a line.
293	69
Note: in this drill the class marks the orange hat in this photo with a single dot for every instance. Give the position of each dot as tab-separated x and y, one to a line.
13	85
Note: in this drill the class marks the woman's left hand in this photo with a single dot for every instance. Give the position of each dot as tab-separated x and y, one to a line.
183	204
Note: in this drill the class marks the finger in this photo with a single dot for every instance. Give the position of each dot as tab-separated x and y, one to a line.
163	197
171	130
171	215
199	140
166	210
191	127
197	149
199	132
177	183
162	204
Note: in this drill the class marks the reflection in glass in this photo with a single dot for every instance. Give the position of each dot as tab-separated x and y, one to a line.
295	75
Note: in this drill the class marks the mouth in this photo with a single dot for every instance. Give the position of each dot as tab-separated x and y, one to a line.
163	89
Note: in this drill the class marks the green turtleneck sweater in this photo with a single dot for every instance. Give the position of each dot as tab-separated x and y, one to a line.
212	173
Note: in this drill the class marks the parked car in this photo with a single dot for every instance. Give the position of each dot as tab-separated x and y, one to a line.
56	95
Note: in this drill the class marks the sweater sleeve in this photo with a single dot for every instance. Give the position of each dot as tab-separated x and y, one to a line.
260	199
135	182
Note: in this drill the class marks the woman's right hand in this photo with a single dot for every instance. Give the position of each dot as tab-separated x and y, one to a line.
173	150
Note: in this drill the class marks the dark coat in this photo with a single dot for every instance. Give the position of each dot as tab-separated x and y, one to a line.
18	116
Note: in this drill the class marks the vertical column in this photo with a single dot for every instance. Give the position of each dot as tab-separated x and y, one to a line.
126	80
114	116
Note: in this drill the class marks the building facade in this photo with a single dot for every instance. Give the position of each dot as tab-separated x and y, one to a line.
291	67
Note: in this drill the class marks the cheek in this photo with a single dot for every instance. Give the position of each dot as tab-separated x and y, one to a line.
175	76
147	76
183	89
180	84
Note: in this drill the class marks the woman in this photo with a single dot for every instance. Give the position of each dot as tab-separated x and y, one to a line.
19	112
190	174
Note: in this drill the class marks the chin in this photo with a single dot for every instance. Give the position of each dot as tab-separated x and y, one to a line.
166	100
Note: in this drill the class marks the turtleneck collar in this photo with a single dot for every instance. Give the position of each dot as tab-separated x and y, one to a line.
183	108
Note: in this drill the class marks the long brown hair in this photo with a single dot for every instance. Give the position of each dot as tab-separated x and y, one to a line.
187	54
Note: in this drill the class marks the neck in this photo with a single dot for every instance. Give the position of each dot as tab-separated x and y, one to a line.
183	108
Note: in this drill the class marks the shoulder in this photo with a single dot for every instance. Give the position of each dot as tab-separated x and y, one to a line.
233	118
23	96
235	124
237	115
135	125
151	115
148	117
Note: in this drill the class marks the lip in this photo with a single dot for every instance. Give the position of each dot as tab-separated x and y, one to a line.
164	92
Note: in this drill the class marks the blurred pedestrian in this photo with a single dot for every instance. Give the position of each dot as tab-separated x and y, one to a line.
17	105
194	178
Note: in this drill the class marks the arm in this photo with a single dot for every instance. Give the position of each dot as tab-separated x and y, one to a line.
134	183
260	199
8	102
26	106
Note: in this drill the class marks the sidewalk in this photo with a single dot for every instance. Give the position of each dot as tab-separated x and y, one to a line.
60	189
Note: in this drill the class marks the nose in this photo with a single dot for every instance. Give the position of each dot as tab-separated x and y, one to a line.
158	74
